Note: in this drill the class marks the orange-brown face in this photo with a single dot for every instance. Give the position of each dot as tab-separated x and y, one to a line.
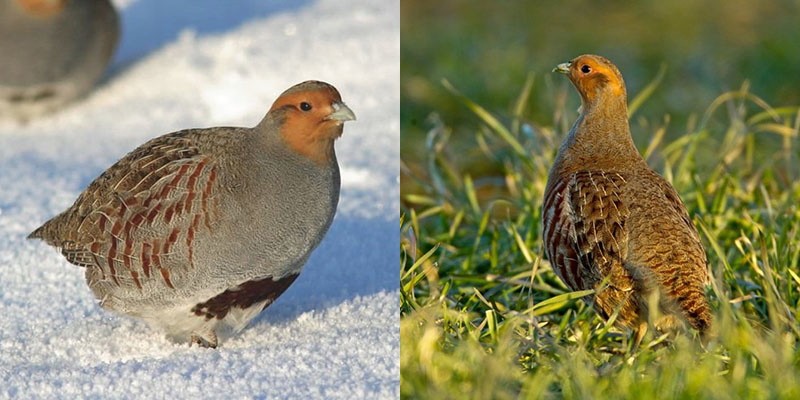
42	8
314	115
591	74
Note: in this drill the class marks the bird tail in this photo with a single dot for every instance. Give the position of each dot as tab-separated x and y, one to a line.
698	312
48	232
39	233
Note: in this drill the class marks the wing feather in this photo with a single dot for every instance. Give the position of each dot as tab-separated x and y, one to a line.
140	216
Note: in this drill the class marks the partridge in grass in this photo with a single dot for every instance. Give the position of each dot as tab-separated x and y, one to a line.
613	224
52	51
199	230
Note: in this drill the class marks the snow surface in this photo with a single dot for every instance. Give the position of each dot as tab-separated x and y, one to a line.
193	63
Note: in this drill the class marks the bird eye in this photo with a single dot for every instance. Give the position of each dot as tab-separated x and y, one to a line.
586	69
305	106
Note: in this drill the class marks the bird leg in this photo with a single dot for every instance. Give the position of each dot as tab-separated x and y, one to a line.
638	334
205	338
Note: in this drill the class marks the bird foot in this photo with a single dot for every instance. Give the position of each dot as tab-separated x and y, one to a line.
207	339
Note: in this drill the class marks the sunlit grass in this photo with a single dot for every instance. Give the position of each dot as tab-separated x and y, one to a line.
484	315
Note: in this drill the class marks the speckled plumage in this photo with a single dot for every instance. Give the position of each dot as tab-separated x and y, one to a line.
613	224
196	231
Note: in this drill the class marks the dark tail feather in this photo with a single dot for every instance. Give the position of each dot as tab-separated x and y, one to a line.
698	313
37	234
47	232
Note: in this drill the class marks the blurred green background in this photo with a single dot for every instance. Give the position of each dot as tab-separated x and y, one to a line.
487	49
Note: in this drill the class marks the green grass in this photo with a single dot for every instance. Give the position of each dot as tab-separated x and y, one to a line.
484	316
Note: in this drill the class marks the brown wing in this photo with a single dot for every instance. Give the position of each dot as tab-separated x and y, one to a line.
675	202
599	223
560	244
587	240
137	221
670	250
585	232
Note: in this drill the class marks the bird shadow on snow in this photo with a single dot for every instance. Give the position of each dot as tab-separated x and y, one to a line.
354	260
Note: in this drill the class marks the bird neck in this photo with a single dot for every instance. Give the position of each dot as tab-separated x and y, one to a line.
601	137
319	150
299	145
308	139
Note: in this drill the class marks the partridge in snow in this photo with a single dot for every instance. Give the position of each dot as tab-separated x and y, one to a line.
613	224
52	52
199	230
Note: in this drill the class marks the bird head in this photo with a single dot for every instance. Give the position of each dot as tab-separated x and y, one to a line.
312	115
594	76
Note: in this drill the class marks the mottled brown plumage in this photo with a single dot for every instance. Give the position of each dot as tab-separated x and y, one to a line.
613	224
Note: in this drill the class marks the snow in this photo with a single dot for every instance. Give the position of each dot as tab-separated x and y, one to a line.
192	63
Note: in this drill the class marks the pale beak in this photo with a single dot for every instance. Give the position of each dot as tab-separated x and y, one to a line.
341	113
562	68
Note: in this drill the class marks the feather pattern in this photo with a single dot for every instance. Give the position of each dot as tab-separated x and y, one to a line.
142	231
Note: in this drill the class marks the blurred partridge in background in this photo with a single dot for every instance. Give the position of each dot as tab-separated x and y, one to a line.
53	52
199	230
613	224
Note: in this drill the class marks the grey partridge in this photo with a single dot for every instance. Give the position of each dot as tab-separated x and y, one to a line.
613	224
197	231
53	51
